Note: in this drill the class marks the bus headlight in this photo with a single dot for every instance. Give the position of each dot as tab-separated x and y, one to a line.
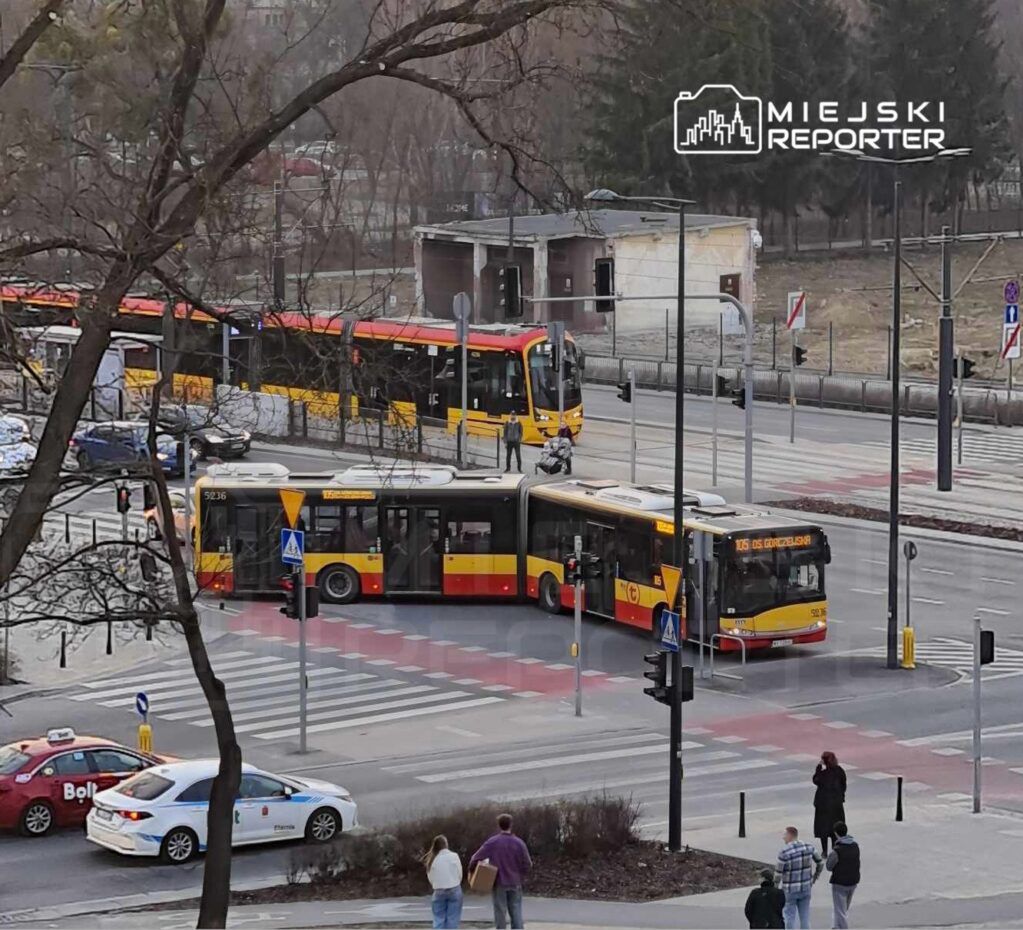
542	417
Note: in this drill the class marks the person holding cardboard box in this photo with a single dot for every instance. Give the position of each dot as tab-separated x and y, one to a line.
444	870
506	853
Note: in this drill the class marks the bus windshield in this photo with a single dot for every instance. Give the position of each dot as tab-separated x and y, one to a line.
763	572
544	380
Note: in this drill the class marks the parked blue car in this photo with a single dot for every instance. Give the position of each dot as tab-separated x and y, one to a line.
120	443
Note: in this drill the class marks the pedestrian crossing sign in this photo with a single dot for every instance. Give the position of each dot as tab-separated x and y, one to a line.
669	630
292	546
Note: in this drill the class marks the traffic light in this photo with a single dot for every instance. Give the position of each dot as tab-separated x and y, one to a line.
625	391
658	674
722	385
686	684
511	290
968	365
987	647
604	284
798	356
123	498
593	566
573	572
290	608
739	396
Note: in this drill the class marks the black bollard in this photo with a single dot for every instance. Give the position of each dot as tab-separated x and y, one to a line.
898	801
742	815
63	649
110	638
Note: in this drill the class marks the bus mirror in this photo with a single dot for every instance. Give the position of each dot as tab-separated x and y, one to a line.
580	359
827	552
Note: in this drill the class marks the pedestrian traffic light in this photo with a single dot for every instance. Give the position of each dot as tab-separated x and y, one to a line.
987	647
290	608
592	566
604	284
658	674
123	498
573	572
739	396
625	391
511	290
798	356
967	367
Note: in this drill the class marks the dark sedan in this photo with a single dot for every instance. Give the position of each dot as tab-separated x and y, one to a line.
206	433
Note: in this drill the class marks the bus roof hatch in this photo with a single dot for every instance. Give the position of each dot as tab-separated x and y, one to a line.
244	470
395	476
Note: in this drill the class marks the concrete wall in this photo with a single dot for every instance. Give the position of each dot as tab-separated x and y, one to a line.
648	264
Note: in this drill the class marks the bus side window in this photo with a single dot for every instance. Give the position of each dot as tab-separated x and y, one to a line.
215	527
361	529
469	528
633	551
325	535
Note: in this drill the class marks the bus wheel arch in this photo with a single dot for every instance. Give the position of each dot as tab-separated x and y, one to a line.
339	584
549	593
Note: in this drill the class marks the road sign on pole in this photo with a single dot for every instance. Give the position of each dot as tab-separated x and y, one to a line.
672	578
669	630
1011	292
292	546
291	500
1010	332
795	318
142	705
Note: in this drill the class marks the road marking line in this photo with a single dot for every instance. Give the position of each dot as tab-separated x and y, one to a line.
381	718
927	600
767	747
415	637
529	660
913	787
997	580
182	674
501	655
617	679
325	649
245	632
695	731
993	610
801	757
936	571
592	673
324	688
730	739
839	725
380	662
245	691
988	760
527	694
473	649
532	765
174	686
561	666
1017	771
497	687
409	668
443	642
874	734
954	796
876	776
390	632
362	626
220	656
948	751
467	681
876	591
273	639
353	655
874	561
438	675
804	717
334	619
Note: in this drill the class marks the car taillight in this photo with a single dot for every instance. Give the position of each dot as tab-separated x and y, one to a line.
134	815
72	442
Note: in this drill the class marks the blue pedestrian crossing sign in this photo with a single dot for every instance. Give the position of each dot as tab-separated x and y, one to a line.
142	704
669	630
292	546
1011	314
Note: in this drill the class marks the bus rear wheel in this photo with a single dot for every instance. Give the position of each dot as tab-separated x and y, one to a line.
339	584
550	594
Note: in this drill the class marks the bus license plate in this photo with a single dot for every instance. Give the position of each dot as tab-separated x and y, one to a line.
781	642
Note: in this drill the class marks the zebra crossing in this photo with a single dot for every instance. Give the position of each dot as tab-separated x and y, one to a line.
263	693
957	655
80	526
998	447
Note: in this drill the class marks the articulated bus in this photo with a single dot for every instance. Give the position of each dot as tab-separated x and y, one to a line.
432	531
403	366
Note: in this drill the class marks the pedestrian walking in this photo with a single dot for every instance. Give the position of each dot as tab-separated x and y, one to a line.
509	855
444	870
844	865
829	799
513	442
565	432
799	866
765	903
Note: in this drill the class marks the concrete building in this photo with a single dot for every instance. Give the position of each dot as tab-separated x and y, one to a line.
557	253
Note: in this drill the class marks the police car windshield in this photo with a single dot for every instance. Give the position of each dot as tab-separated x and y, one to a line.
144	787
11	759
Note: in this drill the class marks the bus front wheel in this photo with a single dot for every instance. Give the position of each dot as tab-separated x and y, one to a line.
550	594
339	584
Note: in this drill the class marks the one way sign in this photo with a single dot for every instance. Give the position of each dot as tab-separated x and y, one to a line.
1010	332
292	546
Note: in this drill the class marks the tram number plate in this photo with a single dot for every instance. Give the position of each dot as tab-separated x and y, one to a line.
781	642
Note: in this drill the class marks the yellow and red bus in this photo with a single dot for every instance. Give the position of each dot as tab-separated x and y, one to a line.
403	366
432	531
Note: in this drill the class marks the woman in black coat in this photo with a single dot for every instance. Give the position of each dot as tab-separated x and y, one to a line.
829	800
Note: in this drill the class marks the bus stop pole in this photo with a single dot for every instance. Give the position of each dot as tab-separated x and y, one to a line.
300	590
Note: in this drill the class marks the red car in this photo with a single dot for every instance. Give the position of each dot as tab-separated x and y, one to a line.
50	781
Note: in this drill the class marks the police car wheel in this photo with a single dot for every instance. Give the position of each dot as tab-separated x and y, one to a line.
550	594
178	846
339	584
37	819
323	826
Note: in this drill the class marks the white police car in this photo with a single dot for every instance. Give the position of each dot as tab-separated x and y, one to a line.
162	811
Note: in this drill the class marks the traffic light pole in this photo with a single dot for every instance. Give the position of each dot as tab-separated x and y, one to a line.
959	407
714	405
976	715
632	439
302	683
578	632
792	389
945	353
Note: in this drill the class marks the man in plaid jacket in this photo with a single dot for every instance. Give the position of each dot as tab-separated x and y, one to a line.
799	866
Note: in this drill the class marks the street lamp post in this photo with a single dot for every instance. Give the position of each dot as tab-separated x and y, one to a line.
892	626
675	765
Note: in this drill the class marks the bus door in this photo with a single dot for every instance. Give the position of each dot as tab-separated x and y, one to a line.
412	558
600	591
256	558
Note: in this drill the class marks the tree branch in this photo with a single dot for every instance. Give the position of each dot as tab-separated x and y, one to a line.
46	17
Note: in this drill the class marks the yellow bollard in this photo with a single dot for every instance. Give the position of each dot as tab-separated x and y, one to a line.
908	647
145	737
